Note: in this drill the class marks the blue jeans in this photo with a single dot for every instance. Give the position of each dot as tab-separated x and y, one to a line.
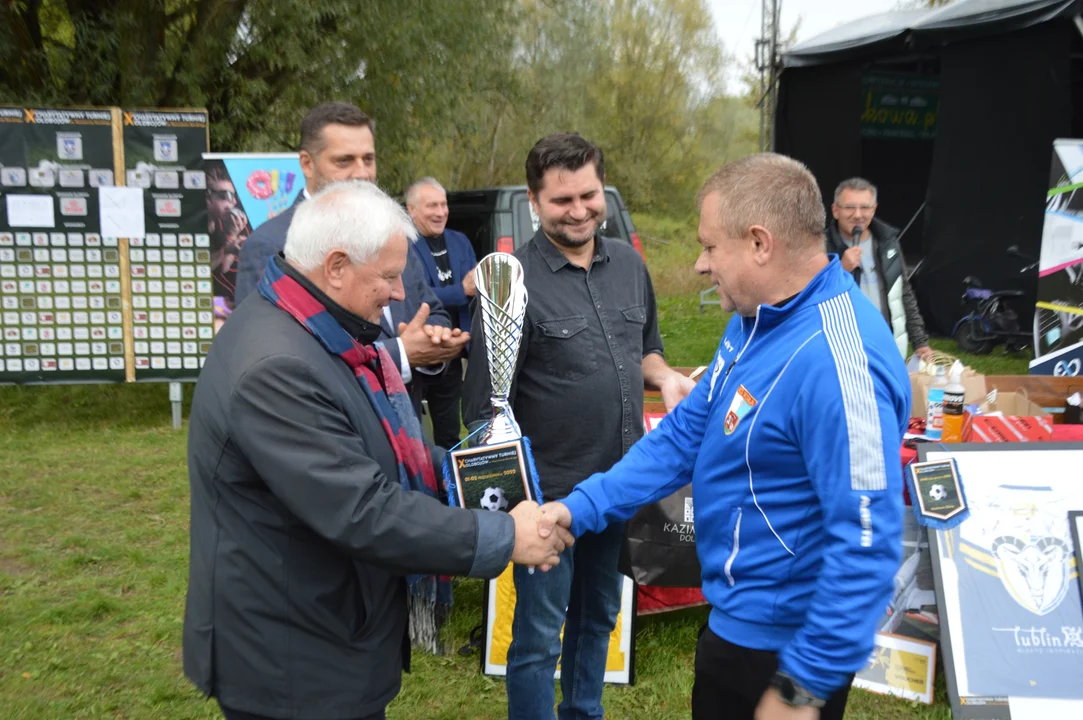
583	594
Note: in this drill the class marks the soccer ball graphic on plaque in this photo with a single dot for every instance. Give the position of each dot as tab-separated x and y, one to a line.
493	499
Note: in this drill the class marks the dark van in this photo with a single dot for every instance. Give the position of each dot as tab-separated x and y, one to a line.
501	219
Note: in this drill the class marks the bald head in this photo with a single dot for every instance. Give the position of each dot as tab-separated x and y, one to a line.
772	191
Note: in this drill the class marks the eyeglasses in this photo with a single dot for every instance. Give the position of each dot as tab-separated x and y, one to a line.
227	195
855	208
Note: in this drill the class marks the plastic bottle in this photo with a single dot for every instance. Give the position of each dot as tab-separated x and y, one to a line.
934	418
954	400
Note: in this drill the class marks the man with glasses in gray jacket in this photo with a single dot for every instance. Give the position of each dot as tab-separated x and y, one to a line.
869	249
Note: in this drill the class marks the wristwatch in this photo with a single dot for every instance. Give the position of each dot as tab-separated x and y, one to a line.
793	694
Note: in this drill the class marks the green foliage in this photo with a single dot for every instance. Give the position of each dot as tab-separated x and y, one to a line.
671	248
257	65
642	78
460	89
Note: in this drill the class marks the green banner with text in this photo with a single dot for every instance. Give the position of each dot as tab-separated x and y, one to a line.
899	107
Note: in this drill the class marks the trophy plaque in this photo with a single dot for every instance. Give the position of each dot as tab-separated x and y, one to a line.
496	472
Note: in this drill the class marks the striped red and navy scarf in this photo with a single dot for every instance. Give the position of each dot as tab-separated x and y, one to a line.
379	378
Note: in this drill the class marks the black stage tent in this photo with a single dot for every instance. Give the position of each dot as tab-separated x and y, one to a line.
956	108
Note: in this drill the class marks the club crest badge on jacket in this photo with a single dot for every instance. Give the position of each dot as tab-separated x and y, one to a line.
742	403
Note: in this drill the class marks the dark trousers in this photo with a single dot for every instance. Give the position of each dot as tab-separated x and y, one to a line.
238	715
444	392
730	680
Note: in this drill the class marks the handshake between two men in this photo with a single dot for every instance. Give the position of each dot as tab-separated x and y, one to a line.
542	532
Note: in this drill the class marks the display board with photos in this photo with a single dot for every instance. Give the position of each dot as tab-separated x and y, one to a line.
82	299
1006	579
171	266
61	287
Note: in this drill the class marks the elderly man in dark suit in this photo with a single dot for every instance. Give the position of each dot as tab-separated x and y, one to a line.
316	524
337	143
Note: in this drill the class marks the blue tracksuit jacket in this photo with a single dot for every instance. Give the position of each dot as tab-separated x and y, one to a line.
791	441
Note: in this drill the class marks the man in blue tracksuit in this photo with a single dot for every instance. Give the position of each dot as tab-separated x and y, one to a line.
791	442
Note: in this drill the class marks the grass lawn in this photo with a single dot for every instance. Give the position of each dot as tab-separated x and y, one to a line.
93	571
94	551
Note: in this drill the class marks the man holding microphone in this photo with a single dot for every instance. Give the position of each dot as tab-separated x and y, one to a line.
869	249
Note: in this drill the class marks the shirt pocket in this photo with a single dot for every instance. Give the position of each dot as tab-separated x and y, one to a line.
635	317
565	347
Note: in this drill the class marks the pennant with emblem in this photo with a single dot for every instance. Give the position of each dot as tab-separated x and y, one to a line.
742	403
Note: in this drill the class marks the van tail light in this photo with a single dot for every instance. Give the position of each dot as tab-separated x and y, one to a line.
505	245
638	246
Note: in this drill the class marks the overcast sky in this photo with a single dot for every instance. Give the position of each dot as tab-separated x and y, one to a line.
738	22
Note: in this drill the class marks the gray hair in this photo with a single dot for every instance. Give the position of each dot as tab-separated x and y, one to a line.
411	192
355	217
771	190
855	184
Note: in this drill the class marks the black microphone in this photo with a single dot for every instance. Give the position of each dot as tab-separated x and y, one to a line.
858	231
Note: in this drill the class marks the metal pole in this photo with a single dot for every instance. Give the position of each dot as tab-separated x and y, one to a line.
762	46
175	397
773	75
762	114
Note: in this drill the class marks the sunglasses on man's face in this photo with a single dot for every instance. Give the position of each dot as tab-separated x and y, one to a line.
227	195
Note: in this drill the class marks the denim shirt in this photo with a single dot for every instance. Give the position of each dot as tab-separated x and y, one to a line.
577	393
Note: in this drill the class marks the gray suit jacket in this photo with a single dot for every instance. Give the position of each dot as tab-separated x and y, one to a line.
301	532
268	240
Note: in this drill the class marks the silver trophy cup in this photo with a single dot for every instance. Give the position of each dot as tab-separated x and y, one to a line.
502	296
494	472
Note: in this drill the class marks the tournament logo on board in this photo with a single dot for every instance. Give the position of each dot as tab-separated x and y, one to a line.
69	146
165	148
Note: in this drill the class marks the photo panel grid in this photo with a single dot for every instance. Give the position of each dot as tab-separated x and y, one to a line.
172	302
170	268
61	300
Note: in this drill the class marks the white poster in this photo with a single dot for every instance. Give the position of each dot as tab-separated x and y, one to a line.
1008	577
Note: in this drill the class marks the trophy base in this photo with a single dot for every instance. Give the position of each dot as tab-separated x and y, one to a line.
491	477
500	428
